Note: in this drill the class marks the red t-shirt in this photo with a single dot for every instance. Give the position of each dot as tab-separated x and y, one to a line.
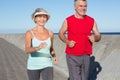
78	31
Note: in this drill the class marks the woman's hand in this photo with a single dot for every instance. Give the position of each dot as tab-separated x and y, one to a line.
55	60
42	45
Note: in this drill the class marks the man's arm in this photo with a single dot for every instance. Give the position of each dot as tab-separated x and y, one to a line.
96	35
62	36
62	32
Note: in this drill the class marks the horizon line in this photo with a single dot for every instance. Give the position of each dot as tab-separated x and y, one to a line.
108	33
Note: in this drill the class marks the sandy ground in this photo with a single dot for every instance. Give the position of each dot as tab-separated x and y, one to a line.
105	61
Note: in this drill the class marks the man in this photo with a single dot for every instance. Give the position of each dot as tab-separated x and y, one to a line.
79	40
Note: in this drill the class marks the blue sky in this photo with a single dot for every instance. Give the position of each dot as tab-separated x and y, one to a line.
15	15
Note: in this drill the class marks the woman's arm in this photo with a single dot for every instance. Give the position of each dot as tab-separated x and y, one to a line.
28	48
52	51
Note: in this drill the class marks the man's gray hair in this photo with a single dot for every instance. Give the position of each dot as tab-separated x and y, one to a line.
81	0
78	0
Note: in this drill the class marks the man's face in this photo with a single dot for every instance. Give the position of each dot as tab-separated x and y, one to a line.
80	7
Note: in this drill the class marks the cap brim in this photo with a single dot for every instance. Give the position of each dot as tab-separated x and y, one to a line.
41	13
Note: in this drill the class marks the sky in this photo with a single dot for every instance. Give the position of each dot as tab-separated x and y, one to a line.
15	15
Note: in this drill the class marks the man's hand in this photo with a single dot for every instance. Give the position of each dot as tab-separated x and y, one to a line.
91	38
71	43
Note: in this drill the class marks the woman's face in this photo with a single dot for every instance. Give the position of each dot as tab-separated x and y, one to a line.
41	19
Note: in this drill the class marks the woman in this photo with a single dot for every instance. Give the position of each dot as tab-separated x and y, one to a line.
39	46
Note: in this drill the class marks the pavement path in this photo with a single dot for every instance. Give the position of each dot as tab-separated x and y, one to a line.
105	61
